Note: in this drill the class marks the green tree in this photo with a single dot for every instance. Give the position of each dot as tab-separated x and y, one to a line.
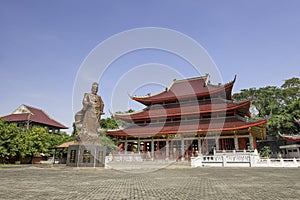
265	152
282	102
9	139
109	123
291	83
18	143
33	141
108	142
75	131
55	140
112	123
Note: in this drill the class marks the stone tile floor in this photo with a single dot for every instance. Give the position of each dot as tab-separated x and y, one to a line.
34	182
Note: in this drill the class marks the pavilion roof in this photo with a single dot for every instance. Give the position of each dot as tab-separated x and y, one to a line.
65	144
156	111
291	138
230	124
27	113
187	88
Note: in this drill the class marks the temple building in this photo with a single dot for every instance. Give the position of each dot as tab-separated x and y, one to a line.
26	116
291	150
190	117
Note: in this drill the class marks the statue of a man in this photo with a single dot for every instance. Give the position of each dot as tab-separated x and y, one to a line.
87	120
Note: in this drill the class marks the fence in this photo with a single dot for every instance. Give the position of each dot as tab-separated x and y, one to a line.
227	159
242	160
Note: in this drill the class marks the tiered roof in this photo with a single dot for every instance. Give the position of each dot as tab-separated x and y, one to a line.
181	109
187	88
28	113
196	126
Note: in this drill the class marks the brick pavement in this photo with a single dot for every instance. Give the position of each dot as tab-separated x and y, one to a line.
198	183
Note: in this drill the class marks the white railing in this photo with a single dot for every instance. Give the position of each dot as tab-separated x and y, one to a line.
223	160
250	160
127	157
228	159
278	162
227	152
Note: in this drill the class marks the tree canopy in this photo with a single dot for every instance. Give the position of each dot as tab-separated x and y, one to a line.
283	103
18	143
113	123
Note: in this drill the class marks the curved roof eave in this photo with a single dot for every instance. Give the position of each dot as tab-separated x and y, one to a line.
130	116
146	100
122	133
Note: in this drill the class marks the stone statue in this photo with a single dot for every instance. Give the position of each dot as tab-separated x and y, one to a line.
87	120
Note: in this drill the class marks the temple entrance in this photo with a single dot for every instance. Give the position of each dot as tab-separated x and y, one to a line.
243	143
226	144
160	149
208	146
175	149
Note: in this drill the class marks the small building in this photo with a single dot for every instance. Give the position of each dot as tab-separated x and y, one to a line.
62	150
26	116
291	150
190	117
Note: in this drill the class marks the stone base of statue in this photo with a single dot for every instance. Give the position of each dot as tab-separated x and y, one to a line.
87	155
86	152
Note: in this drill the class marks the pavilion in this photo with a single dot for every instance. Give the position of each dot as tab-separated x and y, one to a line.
291	150
190	117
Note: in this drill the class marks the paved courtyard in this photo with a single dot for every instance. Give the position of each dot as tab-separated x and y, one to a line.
199	183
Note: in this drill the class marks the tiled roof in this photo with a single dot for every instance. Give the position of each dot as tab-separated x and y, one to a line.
291	138
66	144
34	115
178	110
186	88
187	127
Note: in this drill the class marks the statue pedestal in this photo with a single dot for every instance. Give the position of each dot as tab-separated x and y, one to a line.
86	155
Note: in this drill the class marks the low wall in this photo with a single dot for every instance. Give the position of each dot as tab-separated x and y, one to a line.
251	160
230	159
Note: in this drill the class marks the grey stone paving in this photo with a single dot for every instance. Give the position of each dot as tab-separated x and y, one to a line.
198	183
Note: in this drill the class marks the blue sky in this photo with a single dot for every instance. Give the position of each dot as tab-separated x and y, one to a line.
44	43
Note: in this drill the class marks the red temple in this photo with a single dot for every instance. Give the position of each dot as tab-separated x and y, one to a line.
191	116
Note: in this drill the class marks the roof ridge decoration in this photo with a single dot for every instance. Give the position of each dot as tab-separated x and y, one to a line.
149	94
206	77
223	85
207	80
125	114
176	89
191	79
